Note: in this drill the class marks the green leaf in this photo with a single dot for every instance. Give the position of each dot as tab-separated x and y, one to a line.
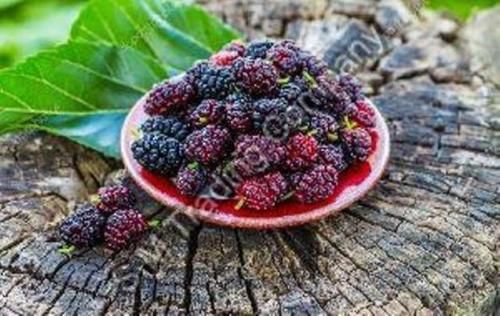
79	78
100	132
118	50
166	30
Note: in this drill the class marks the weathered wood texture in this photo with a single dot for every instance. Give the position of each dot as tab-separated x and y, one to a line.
424	242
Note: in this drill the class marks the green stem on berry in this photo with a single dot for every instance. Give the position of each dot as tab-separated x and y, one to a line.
303	128
283	81
67	250
154	223
94	199
193	166
310	79
240	203
288	195
136	133
332	137
350	125
312	132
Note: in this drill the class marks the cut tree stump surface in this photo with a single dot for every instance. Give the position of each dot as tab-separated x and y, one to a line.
425	241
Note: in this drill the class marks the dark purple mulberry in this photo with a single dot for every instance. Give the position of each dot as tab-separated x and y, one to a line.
191	179
285	56
351	85
327	94
332	155
158	153
211	82
239	113
83	228
324	128
208	112
314	66
208	145
257	154
357	143
170	97
256	77
168	126
293	90
258	49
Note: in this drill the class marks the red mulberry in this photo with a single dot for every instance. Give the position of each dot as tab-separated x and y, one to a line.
113	198
124	227
263	193
316	184
302	151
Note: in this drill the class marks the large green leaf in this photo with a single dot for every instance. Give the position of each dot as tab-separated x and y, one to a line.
97	131
79	78
170	31
118	50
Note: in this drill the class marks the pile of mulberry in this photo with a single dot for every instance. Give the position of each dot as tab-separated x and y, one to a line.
268	119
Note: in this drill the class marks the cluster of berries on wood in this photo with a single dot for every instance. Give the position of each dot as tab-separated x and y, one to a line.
270	112
111	220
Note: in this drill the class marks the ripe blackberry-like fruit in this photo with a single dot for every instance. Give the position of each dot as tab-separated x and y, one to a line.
83	228
316	184
191	179
257	154
124	227
262	193
327	94
357	143
115	197
264	108
235	46
324	128
158	153
313	66
258	49
285	56
351	85
170	97
255	76
293	90
208	112
362	113
332	155
168	126
239	113
211	82
224	58
208	145
302	151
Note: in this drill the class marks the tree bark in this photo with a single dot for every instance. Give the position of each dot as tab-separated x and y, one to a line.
425	241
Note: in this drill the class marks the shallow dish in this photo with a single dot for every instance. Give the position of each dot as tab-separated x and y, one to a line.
354	183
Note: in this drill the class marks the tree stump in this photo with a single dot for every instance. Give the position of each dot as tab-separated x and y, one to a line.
425	241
